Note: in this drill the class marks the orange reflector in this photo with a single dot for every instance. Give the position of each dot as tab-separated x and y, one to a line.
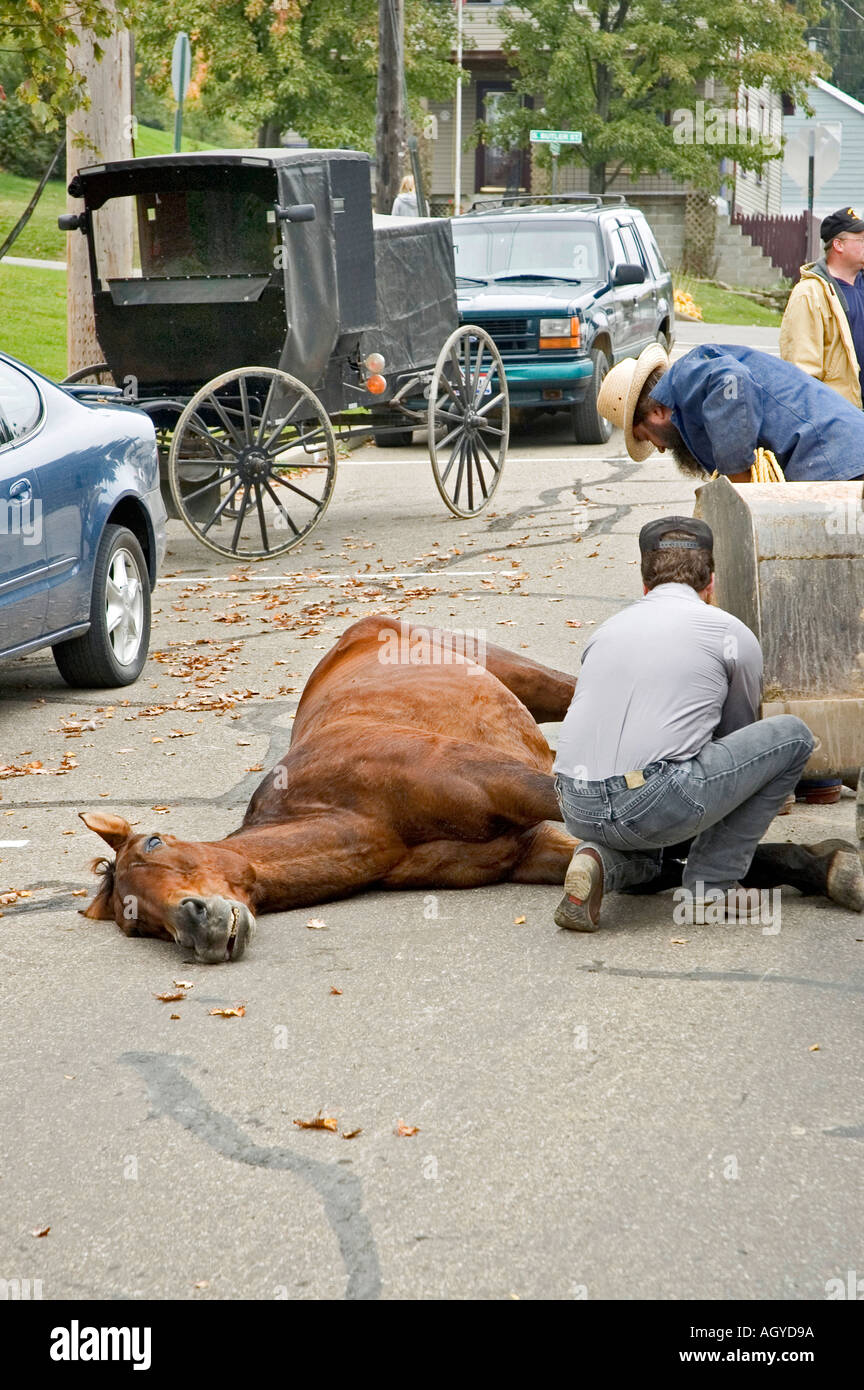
376	384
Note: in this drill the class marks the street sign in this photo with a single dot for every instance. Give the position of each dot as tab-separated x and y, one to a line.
556	137
554	147
181	66
821	142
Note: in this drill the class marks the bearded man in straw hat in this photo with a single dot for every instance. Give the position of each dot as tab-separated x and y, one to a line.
716	405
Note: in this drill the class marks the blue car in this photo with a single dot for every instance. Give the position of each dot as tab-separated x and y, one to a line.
82	527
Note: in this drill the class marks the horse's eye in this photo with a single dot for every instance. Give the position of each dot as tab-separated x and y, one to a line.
153	843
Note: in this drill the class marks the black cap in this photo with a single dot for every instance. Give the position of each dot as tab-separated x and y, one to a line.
653	535
839	223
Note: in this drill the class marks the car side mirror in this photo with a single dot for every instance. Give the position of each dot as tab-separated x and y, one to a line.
300	212
72	222
628	275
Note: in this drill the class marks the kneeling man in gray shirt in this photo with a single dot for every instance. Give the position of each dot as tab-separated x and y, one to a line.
663	742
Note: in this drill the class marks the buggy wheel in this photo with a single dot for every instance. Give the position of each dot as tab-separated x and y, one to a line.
252	463
469	420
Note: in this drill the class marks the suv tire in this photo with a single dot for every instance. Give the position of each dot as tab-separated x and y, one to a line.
589	427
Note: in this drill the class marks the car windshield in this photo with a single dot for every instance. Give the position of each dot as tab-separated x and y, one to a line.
496	249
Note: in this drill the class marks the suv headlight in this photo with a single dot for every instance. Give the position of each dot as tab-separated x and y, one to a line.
560	333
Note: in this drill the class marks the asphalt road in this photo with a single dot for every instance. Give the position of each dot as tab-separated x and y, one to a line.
637	1114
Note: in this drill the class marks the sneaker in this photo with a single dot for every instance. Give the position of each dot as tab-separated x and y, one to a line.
579	909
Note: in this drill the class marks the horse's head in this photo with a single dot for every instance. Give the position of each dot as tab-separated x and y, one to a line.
198	895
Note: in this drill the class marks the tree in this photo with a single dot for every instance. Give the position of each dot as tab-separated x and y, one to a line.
40	32
304	65
625	73
840	36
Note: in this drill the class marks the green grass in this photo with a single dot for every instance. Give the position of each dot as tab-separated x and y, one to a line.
722	306
33	317
41	237
150	141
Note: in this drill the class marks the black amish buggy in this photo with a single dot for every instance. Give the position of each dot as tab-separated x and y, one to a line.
267	304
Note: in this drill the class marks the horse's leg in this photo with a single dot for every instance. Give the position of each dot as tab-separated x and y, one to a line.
546	854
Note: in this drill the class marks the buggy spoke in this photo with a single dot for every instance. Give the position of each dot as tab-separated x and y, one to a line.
493	462
200	428
459	472
262	522
244	403
279	505
280	424
262	424
452	459
225	418
241	513
215	482
294	488
478	465
490	405
220	509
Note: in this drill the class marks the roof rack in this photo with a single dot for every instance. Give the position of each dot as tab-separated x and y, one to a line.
545	202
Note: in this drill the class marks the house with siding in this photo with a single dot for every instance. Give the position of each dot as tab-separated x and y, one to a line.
490	170
845	187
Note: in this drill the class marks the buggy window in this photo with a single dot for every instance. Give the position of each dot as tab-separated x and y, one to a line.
201	231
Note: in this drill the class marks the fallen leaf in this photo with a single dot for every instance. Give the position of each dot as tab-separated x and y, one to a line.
315	924
334	990
239	1012
170	998
321	1121
814	1048
406	1130
518	921
183	984
352	1134
43	1232
679	941
202	1284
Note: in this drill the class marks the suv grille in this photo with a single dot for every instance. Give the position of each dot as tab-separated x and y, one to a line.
510	335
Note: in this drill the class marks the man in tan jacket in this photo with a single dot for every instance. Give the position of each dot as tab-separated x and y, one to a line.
823	326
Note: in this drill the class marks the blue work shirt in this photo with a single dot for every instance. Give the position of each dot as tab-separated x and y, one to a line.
728	400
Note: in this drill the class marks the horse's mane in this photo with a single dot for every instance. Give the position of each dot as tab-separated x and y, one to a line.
107	868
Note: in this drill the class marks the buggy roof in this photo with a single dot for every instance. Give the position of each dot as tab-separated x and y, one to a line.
98	182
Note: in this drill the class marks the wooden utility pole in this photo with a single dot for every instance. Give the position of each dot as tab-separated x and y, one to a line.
106	130
390	115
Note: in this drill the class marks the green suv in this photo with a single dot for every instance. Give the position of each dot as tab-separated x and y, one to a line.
565	290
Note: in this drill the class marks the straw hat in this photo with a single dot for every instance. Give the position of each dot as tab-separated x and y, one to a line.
620	391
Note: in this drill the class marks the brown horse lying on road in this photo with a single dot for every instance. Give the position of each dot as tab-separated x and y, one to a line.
411	765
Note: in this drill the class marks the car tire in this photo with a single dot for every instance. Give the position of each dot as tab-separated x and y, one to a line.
589	426
387	436
112	655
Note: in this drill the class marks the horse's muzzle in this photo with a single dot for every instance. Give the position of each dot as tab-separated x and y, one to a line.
216	929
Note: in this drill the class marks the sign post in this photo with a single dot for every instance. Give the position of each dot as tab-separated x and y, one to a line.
555	139
181	72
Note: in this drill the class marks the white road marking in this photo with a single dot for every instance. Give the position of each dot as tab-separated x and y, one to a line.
13	844
316	578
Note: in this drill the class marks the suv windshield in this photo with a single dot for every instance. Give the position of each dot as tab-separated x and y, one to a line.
494	249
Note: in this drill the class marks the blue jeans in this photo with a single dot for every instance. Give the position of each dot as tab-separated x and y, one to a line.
725	797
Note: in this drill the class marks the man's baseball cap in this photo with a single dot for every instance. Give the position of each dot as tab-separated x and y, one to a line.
840	222
655	534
